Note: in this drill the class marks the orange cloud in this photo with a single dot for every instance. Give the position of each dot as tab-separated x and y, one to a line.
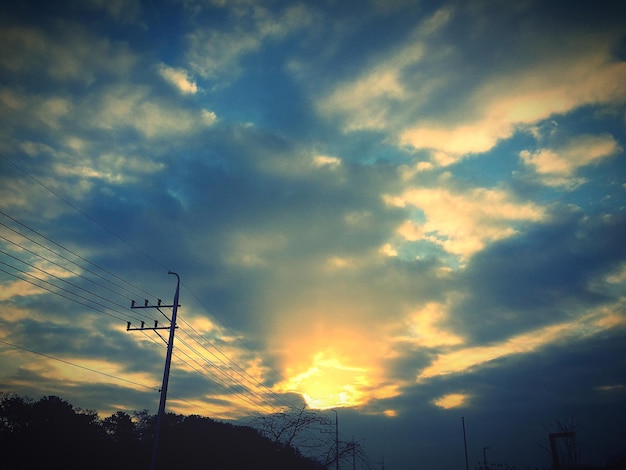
452	400
467	359
463	223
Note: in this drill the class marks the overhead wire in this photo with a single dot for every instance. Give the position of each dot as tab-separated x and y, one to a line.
238	370
216	380
84	214
72	252
222	383
105	374
48	260
77	365
216	368
257	389
226	385
62	280
278	397
59	294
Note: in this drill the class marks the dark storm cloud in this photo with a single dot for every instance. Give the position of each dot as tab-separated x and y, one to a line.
541	277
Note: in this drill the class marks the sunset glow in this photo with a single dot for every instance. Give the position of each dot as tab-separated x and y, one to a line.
402	211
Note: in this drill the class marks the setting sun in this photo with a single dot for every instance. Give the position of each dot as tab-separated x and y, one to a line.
328	383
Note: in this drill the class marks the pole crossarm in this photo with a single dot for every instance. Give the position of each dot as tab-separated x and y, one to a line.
147	305
143	327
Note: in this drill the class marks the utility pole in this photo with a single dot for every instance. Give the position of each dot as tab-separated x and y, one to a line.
336	440
485	456
353	454
465	443
168	358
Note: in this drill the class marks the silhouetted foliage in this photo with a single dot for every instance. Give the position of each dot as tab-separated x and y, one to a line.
311	432
51	433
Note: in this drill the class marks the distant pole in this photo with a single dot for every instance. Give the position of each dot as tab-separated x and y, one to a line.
336	440
353	454
465	443
485	456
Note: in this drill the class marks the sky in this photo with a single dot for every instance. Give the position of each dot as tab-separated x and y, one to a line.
411	212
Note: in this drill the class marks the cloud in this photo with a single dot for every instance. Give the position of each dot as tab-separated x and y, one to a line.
556	166
540	91
476	109
452	400
366	99
67	53
179	78
215	53
305	170
124	106
324	160
464	223
372	99
424	328
467	359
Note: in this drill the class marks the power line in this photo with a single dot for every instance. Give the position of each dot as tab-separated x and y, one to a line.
243	374
69	251
84	214
215	368
22	247
237	337
57	293
95	371
239	371
229	382
59	279
77	365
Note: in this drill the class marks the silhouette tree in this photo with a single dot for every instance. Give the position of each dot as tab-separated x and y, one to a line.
56	432
311	433
57	435
299	427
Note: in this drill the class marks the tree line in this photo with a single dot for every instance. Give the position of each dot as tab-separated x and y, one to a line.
52	433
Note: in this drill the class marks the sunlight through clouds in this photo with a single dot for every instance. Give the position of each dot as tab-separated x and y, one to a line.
467	359
557	166
452	400
389	207
329	383
464	223
425	330
179	78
